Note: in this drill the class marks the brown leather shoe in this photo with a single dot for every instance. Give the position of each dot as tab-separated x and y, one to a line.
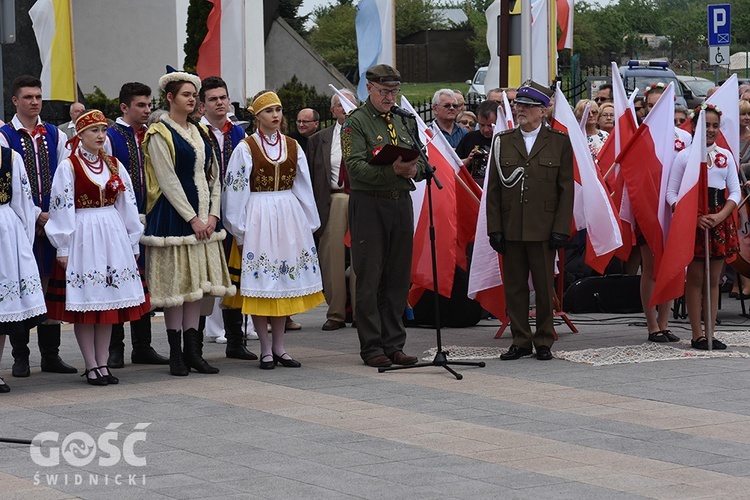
332	324
292	325
400	358
378	361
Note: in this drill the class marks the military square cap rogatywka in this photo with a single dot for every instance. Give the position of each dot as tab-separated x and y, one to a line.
533	94
383	73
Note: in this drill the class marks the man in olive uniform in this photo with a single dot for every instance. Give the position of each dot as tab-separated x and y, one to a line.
381	221
529	213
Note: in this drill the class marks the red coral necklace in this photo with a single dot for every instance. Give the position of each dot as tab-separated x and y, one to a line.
96	167
265	140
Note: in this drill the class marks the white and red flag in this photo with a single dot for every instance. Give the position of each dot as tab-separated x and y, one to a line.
625	127
222	52
593	210
485	275
565	10
670	281
645	163
729	132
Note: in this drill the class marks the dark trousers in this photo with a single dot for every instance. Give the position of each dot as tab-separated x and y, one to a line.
521	257
382	233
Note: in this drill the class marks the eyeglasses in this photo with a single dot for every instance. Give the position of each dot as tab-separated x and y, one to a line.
467	122
593	112
386	92
679	121
607	115
300	122
638	108
449	106
601	99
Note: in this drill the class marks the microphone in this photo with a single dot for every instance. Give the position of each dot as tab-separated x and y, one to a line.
401	112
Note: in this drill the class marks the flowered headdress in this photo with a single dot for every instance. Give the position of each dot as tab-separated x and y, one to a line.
263	101
652	86
708	107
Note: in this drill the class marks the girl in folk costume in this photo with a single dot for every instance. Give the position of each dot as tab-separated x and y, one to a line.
95	228
185	258
270	209
21	297
723	242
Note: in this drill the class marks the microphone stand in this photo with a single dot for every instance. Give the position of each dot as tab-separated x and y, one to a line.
441	357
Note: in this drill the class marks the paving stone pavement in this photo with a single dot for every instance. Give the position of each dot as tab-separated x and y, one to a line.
336	428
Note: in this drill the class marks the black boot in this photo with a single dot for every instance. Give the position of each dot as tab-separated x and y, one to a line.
116	357
49	347
176	363
233	332
20	351
143	353
193	353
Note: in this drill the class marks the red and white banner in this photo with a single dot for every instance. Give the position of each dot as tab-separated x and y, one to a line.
645	163
593	210
670	281
726	99
222	52
565	10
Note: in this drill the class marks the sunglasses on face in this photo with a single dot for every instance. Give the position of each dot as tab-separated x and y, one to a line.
467	122
449	106
638	108
679	121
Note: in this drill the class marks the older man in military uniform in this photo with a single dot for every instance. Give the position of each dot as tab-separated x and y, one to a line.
529	213
381	221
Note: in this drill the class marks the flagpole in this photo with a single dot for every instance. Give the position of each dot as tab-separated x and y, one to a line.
461	183
73	51
707	281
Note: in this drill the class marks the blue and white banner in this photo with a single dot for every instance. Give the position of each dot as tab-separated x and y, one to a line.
374	24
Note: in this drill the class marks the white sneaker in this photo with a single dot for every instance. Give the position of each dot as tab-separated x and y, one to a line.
217	340
251	335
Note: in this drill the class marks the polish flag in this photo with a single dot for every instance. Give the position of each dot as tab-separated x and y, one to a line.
645	163
670	281
222	52
565	9
485	275
625	127
593	209
729	132
507	114
444	216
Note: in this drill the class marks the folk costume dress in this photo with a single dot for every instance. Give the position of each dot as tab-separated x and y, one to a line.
182	180
270	210
723	185
21	297
94	222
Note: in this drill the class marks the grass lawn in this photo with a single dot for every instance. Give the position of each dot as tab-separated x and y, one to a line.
417	92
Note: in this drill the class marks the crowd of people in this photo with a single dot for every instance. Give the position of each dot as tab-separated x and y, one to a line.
183	210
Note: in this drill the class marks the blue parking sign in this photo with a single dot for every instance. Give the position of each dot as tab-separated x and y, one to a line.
719	24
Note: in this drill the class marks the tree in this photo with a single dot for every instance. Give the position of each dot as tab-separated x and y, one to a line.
288	10
197	15
413	16
335	37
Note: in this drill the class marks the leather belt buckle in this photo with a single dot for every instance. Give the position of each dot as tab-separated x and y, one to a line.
395	194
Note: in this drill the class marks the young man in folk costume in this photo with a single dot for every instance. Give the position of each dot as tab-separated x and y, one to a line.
42	147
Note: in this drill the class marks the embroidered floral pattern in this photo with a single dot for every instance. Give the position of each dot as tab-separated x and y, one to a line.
263	265
238	183
12	290
5	188
111	278
64	200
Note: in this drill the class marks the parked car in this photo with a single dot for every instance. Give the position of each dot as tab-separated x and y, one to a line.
639	73
476	85
695	89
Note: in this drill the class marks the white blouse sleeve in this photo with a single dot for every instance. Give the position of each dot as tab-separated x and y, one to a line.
62	151
125	205
733	180
237	192
302	189
166	177
22	203
675	176
62	211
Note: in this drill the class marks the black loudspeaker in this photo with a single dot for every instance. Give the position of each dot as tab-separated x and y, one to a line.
618	293
457	312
